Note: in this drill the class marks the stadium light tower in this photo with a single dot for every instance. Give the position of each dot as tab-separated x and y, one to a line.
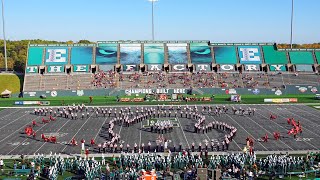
4	38
291	23
153	1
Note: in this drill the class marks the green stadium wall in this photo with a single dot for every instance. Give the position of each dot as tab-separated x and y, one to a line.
298	57
272	56
318	56
290	89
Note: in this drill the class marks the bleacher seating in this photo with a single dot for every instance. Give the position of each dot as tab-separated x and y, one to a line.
32	82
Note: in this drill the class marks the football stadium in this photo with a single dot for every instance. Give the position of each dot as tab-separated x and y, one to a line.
160	109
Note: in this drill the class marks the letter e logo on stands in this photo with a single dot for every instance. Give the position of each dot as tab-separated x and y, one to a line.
55	55
249	54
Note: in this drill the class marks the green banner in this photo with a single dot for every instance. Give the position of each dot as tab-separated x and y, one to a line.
80	68
55	69
32	69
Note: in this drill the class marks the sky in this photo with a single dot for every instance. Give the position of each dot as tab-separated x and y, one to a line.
214	20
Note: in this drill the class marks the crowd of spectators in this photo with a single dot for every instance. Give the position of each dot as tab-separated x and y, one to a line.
184	164
103	79
163	79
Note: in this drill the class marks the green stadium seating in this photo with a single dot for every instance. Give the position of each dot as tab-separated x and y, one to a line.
298	57
272	56
318	56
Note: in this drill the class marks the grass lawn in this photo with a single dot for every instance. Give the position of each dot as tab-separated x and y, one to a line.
11	82
111	100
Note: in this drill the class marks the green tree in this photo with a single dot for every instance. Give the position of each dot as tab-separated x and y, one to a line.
84	42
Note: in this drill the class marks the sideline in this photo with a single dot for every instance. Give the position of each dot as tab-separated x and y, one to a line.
302	152
174	105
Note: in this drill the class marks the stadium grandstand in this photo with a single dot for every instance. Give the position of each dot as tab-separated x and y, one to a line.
168	64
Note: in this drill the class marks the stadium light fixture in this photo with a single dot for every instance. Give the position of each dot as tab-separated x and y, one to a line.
292	8
4	38
153	1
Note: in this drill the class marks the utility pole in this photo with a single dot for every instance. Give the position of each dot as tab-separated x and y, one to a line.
291	23
4	38
153	1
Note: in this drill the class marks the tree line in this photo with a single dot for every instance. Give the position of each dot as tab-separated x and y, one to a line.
17	51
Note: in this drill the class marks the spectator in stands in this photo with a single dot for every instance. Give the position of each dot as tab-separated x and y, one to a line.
1	165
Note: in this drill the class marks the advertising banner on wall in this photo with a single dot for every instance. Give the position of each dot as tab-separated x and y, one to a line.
130	67
81	55
277	67
200	53
130	53
225	54
179	67
56	55
203	67
107	54
177	53
32	69
281	100
80	68
106	68
249	54
304	67
154	67
153	53
35	55
55	69
227	67
252	67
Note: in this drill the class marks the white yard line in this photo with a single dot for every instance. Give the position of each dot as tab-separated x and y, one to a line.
285	128
296	115
183	133
13	121
247	132
55	132
78	130
9	114
140	139
267	130
100	128
16	131
317	116
26	138
233	139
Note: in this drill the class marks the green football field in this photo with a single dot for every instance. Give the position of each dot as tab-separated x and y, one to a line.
111	100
